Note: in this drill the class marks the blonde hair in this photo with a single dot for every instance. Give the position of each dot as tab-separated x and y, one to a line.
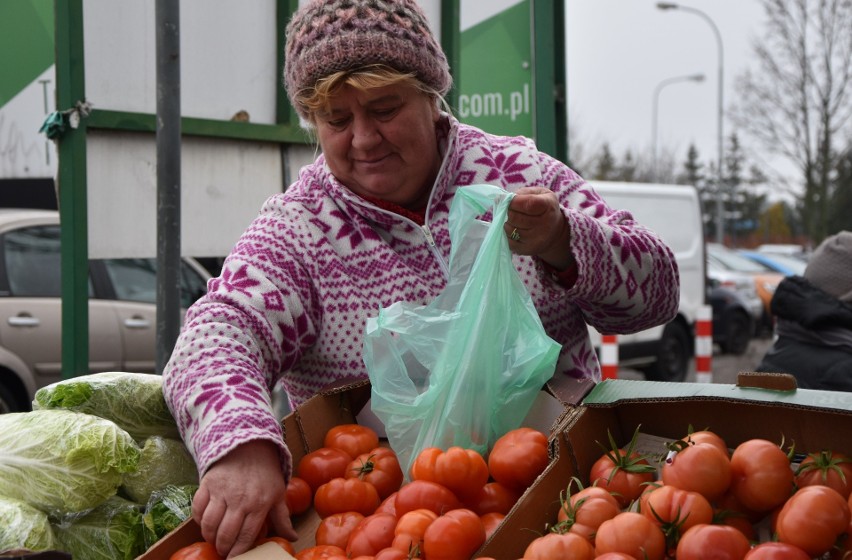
318	98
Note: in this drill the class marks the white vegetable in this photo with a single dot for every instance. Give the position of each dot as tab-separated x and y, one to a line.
134	401
61	461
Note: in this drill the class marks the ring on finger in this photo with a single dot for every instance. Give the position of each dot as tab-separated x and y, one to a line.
515	236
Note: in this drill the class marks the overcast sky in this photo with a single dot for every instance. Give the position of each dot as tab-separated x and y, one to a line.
619	51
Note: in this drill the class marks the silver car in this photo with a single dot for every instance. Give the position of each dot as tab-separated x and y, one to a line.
122	307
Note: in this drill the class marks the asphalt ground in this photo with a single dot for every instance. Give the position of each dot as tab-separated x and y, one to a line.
725	366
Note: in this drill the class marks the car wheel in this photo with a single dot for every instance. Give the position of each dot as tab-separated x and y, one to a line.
737	334
673	357
8	402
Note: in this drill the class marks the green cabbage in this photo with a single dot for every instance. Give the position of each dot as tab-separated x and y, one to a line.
134	401
61	461
111	531
23	527
167	509
164	461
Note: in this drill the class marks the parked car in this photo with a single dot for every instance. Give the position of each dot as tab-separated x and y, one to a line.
778	262
122	307
787	249
733	319
765	279
663	353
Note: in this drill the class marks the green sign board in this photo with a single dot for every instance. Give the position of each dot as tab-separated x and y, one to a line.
496	78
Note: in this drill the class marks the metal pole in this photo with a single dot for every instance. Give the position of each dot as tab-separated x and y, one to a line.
167	16
720	207
655	111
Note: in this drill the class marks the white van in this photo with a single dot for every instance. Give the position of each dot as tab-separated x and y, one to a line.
674	213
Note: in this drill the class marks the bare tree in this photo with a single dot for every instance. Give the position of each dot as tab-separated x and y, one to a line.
798	102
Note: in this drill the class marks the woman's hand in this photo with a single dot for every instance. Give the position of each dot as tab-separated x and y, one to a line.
237	495
536	226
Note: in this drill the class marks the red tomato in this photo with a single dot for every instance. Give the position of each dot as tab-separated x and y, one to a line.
706	436
613	556
456	535
737	520
518	457
424	494
776	551
463	471
725	542
493	497
555	545
623	475
699	467
197	551
676	509
631	533
372	534
354	439
318	467
585	510
320	552
339	495
828	469
410	528
380	467
299	495
388	505
761	477
730	503
812	519
389	554
490	521
336	528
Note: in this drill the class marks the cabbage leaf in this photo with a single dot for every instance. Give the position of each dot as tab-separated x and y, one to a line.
167	509
61	461
111	531
134	401
164	461
23	527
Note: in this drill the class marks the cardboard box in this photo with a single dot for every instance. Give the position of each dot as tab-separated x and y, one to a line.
345	403
813	420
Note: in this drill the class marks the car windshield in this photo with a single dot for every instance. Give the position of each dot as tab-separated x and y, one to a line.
732	260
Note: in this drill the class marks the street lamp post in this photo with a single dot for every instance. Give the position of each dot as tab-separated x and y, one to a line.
655	111
720	209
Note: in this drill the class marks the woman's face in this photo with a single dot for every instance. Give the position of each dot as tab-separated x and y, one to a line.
382	143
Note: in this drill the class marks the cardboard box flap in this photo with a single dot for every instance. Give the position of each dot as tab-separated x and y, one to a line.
612	391
569	390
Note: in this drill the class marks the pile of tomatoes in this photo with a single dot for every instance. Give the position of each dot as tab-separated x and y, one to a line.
455	498
706	502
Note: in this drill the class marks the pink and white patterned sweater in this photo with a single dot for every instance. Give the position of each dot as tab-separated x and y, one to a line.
295	292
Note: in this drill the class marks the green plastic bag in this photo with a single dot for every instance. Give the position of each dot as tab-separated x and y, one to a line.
464	369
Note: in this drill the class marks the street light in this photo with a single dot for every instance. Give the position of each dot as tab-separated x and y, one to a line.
720	219
657	90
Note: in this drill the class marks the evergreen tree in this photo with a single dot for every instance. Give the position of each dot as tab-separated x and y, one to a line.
605	170
627	170
692	169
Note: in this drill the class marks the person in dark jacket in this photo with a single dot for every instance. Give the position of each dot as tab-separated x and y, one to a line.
814	320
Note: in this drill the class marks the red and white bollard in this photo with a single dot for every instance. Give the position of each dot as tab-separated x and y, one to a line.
609	356
704	345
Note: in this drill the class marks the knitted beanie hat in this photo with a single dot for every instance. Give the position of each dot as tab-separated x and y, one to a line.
830	267
328	36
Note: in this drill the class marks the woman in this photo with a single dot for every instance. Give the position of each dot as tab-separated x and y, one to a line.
366	225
